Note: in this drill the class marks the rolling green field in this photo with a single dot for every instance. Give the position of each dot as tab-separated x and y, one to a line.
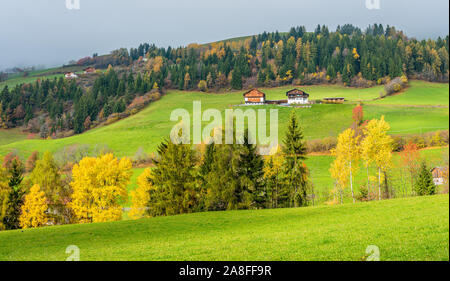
148	127
420	93
29	79
403	229
50	73
11	135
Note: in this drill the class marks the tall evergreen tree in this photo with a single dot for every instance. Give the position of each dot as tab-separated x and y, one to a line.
294	151
424	184
11	220
236	79
208	158
251	174
174	179
222	183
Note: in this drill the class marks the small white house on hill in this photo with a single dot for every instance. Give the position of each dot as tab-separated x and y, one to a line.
297	96
70	75
439	175
254	97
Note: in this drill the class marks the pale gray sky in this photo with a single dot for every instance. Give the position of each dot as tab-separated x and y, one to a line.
37	32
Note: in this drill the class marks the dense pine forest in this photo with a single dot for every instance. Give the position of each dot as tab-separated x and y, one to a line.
135	77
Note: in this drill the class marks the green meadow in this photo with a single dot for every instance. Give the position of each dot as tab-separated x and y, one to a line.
411	229
11	135
51	73
319	165
147	128
29	79
420	93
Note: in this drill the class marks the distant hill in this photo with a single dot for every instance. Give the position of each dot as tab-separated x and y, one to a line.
345	57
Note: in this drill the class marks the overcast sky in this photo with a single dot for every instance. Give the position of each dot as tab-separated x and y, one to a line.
36	32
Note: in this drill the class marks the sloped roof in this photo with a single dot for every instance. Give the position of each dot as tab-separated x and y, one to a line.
297	92
254	93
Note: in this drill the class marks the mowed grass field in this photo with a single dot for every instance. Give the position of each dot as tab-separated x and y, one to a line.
420	93
403	229
147	128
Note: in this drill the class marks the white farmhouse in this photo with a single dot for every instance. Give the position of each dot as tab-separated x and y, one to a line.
254	97
297	96
70	75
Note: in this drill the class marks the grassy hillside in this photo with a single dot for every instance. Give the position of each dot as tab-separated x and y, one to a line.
420	93
11	135
29	79
403	229
147	128
32	76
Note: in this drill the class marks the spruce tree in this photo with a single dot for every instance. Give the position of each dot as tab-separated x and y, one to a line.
294	151
174	178
250	172
222	183
208	158
236	79
424	184
11	220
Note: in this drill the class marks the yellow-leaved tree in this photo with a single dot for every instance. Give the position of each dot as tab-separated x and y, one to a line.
140	197
376	147
368	158
34	208
339	172
46	174
348	152
99	186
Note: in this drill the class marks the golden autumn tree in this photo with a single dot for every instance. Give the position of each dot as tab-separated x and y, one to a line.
46	174
367	157
298	49
140	197
99	186
348	151
202	86
34	208
377	146
339	171
187	81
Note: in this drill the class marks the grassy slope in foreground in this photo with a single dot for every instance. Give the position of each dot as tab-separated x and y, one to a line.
403	229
